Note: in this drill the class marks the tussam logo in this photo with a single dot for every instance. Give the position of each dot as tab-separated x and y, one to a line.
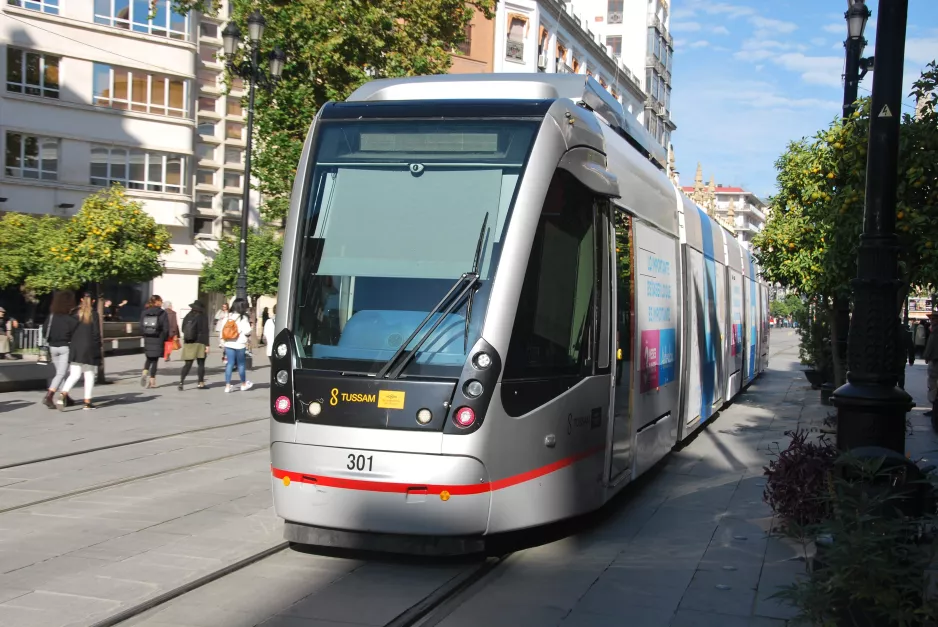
335	396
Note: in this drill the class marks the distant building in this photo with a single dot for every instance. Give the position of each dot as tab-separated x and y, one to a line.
739	210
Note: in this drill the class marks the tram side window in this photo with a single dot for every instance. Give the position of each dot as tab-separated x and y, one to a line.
552	335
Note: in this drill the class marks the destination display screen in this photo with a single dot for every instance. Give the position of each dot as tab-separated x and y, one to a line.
428	142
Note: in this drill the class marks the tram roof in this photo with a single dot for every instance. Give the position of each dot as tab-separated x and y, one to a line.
579	88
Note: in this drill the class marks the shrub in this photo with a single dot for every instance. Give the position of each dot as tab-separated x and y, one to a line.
797	479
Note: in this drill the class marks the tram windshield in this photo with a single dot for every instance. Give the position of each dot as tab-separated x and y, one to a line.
393	218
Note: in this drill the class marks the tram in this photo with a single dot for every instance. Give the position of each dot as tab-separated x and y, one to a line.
496	311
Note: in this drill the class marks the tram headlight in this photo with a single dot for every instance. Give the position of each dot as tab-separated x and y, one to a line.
464	417
282	404
282	377
281	350
482	360
315	408
424	416
472	389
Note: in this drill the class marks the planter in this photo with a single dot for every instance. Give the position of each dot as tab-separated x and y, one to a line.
815	378
826	390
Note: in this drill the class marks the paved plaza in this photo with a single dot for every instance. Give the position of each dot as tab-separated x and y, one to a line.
84	536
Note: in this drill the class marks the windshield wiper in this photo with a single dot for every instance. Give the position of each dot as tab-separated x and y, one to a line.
467	287
475	270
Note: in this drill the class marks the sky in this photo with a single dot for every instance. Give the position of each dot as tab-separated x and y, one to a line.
749	76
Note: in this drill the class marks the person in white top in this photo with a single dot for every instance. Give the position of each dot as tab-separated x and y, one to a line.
234	330
269	329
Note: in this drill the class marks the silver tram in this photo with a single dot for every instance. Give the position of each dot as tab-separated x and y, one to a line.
496	311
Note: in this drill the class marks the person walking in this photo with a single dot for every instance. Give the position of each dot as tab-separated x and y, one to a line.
6	340
155	326
195	342
84	353
269	330
265	316
235	329
930	355
172	340
59	329
220	315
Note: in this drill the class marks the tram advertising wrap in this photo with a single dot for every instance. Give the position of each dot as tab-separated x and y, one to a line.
656	323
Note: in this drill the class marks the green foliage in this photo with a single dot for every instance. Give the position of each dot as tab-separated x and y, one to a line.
333	47
790	306
810	241
24	244
873	565
111	238
265	248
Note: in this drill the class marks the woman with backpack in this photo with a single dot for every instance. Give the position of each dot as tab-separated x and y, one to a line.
155	327
59	329
195	342
84	353
235	329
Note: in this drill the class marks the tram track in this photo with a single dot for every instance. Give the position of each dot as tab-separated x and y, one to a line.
126	480
106	447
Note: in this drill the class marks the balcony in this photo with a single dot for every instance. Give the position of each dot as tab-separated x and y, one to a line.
563	68
615	18
514	50
654	21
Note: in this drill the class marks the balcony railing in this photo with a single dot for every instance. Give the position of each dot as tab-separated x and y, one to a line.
563	68
514	50
615	18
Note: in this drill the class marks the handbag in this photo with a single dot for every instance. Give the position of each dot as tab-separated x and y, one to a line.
176	344
45	353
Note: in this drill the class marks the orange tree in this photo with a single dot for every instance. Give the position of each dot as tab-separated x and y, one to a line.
810	241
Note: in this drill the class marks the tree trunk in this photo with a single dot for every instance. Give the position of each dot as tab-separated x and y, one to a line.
100	307
840	324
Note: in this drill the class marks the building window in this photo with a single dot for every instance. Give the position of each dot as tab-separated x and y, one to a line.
233	156
135	15
234	130
204	201
203	226
614	11
207	29
205	152
46	6
234	106
514	47
137	90
138	169
207	54
205	177
208	79
32	73
615	42
237	83
465	47
31	157
207	129
231	204
207	104
232	179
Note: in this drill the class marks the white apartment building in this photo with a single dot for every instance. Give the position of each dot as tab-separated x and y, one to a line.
553	36
742	209
96	92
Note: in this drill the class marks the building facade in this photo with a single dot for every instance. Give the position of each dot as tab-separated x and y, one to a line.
99	92
739	210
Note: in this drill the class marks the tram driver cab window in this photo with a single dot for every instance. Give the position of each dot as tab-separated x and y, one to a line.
552	333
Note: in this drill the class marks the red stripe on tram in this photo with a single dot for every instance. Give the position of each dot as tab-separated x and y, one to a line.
463	489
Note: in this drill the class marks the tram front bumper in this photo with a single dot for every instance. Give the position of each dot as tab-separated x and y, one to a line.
380	491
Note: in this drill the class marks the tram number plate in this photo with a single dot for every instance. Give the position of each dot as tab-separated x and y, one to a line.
360	463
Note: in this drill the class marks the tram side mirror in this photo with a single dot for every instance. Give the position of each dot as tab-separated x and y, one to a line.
585	165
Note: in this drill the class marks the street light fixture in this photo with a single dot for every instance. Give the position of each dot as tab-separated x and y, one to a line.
250	71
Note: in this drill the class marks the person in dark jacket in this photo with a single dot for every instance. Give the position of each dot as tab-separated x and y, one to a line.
195	347
84	352
154	324
59	329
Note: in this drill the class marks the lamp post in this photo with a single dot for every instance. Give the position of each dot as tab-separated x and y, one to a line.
871	410
250	71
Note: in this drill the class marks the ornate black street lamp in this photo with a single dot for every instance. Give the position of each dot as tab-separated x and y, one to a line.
250	71
871	410
857	15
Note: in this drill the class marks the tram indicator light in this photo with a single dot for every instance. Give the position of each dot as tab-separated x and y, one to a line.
464	417
282	405
473	389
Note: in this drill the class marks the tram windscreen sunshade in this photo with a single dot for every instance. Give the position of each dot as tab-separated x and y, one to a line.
429	142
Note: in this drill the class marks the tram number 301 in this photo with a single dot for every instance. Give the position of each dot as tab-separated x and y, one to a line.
359	462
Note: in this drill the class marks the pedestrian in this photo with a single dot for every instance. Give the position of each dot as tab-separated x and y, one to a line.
6	335
172	340
59	329
84	353
265	316
219	316
269	330
235	329
921	336
195	342
154	323
931	358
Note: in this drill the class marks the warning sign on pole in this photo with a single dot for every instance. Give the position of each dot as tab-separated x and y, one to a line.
885	113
